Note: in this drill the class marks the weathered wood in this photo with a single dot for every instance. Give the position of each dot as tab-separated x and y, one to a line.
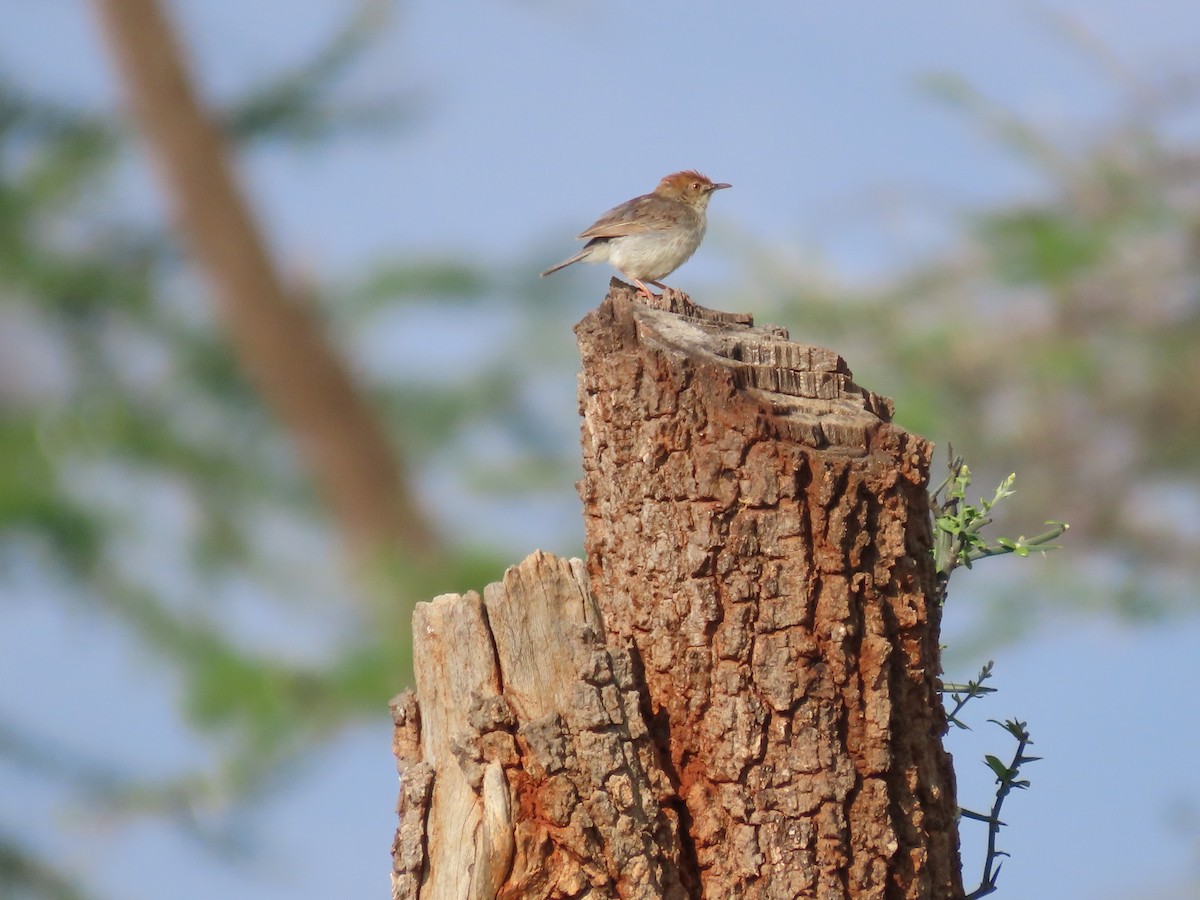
739	697
544	779
758	533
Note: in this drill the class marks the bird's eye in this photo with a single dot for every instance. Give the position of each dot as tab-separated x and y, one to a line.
695	185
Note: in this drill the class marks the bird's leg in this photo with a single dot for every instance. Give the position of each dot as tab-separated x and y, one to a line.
645	290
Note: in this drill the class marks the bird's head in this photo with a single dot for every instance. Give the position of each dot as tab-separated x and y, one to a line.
691	187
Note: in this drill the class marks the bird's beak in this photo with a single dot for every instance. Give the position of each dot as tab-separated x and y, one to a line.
717	187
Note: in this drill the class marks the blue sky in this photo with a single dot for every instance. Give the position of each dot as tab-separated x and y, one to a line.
534	117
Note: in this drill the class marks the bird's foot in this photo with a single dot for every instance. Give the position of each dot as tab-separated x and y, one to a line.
645	291
671	299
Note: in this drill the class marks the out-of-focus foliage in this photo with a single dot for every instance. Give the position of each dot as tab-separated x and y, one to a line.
1058	340
296	107
140	475
27	876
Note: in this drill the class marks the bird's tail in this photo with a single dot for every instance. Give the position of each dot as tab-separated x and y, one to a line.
566	262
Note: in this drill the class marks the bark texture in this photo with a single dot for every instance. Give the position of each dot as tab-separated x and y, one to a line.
738	695
757	532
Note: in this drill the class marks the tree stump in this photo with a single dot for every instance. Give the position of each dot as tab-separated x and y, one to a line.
740	696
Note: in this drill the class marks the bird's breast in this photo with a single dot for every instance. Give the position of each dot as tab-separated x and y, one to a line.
654	255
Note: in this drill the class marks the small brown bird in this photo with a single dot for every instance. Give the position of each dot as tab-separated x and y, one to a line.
649	237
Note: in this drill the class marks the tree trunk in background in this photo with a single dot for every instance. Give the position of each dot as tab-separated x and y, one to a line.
278	340
759	573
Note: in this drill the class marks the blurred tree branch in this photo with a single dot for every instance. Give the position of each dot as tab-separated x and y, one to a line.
278	341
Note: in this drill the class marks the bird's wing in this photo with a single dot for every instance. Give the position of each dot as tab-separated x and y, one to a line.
621	220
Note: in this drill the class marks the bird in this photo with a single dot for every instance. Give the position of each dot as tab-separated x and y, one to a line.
649	237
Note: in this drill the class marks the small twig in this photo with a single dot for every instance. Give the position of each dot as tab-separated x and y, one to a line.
961	694
1007	779
1020	545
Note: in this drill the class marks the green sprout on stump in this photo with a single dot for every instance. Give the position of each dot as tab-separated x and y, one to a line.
958	540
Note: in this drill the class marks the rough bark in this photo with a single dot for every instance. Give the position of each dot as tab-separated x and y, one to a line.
758	552
278	340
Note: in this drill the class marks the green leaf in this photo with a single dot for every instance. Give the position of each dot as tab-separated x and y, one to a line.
1002	771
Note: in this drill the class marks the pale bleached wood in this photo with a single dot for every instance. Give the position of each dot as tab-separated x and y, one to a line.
544	779
453	664
536	614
